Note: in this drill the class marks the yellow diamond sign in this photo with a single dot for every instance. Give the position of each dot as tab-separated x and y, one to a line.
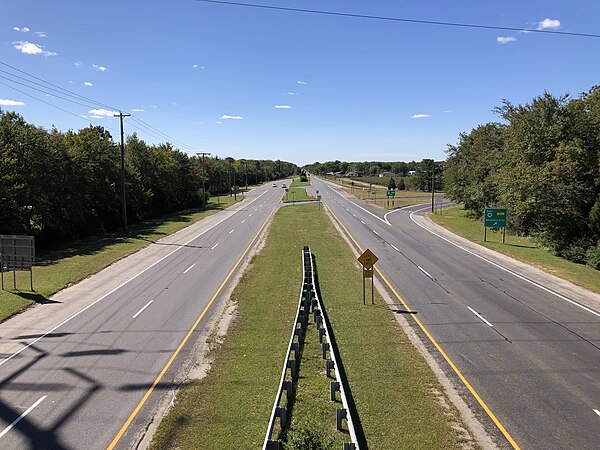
368	259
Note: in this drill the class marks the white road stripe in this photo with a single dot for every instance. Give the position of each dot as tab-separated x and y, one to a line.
597	412
188	269
250	215
363	222
375	232
480	316
421	269
395	248
143	308
214	246
18	419
521	277
354	214
232	231
243	221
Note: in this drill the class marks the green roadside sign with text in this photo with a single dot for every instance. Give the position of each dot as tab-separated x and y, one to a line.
391	193
495	217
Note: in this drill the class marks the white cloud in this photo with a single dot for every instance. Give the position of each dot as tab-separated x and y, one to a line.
448	110
101	113
219	122
50	53
175	103
301	82
16	29
29	48
78	64
87	83
100	68
420	116
292	93
70	81
25	30
282	107
97	117
505	39
153	106
5	102
40	34
226	116
548	24
137	110
195	66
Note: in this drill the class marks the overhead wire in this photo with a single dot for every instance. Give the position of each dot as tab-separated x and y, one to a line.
400	19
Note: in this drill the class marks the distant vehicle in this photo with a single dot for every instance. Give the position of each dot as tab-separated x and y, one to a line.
284	186
274	185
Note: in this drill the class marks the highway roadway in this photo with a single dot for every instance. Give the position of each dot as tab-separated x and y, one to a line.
83	381
531	356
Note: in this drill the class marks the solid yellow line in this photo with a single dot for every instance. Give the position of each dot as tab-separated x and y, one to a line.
185	339
434	342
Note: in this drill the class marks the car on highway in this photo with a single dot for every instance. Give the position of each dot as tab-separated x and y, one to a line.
274	185
283	186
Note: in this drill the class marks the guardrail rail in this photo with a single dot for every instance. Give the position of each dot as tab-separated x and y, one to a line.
308	301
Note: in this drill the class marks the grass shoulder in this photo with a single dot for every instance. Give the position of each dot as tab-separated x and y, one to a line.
523	248
297	194
391	387
57	269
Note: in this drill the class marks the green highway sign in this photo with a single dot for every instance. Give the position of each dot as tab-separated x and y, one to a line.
495	217
391	193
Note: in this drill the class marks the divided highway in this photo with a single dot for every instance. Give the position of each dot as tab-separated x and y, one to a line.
532	357
76	385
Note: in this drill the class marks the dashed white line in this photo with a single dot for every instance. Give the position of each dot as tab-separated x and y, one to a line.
480	316
250	215
18	419
363	222
143	308
395	248
232	231
189	268
423	270
243	221
597	412
214	246
354	214
375	232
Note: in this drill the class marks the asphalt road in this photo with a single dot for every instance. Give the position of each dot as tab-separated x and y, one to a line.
75	387
532	357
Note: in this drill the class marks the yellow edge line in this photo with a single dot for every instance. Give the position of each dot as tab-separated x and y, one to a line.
434	342
185	339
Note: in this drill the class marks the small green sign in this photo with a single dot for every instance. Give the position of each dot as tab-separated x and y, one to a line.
391	193
495	217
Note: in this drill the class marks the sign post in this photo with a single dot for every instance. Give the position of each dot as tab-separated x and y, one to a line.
391	194
17	253
495	218
368	260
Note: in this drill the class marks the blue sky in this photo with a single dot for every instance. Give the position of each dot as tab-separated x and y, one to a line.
253	83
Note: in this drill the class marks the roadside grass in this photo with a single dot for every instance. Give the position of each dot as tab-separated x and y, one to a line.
523	248
380	198
60	268
298	183
297	194
391	387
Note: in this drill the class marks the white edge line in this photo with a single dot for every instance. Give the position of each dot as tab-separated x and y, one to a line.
143	308
232	231
396	210
597	412
363	222
18	419
189	268
395	248
375	232
544	288
214	246
425	272
71	317
480	316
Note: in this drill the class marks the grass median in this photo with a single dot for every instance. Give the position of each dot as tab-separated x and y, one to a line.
60	268
394	392
523	248
297	194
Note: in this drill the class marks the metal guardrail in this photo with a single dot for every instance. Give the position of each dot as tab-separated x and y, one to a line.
308	300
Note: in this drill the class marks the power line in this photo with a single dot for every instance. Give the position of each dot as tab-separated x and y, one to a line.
399	19
168	138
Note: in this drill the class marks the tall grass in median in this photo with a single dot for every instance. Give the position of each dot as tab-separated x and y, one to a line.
391	387
54	270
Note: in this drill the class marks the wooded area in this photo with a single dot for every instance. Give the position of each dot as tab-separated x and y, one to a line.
543	164
60	186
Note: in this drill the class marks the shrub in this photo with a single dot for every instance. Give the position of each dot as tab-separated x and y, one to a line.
593	256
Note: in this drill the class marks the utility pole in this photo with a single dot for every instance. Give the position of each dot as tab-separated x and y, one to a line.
432	187
203	191
123	199
246	167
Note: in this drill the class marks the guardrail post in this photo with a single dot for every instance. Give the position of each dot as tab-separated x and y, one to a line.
325	348
321	334
282	413
300	333
295	347
274	445
333	388
349	446
291	364
340	414
329	365
289	389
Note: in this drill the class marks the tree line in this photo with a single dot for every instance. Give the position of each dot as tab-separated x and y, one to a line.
59	186
542	162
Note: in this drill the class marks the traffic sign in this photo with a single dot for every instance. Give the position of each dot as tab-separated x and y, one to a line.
391	193
367	273
495	217
368	259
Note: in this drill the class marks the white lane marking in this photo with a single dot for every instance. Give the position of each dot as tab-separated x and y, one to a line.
347	209
232	231
375	232
214	246
358	206
18	419
143	308
243	221
71	317
256	210
480	316
354	214
189	268
424	271
396	210
521	277
363	222
395	248
597	412
250	215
